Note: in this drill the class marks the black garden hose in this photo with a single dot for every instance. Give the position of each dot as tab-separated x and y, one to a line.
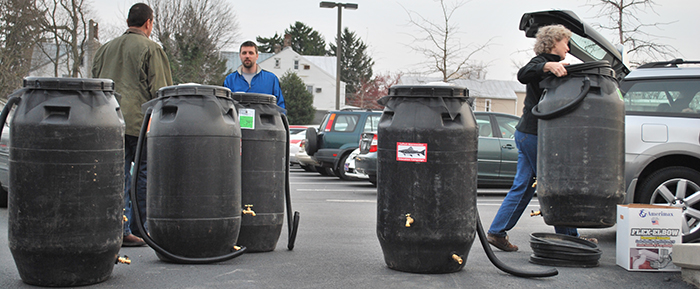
502	266
292	226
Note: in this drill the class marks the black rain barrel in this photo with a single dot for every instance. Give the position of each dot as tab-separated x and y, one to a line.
263	169
194	161
581	147
426	194
66	181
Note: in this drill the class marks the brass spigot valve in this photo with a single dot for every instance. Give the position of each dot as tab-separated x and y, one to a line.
457	259
123	260
409	220
248	210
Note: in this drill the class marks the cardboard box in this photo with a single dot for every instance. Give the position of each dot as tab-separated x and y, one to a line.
645	237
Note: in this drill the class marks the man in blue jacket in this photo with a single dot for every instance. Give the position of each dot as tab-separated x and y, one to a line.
250	77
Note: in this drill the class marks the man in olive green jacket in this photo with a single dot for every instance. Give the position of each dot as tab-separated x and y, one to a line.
139	67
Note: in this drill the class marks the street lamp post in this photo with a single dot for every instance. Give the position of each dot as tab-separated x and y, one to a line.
338	49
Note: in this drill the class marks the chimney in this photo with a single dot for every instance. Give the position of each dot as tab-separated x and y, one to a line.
93	44
278	48
287	40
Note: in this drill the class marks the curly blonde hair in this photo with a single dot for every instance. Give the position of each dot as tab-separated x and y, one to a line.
548	36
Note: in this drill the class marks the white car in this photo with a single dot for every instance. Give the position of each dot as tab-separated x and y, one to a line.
349	166
296	134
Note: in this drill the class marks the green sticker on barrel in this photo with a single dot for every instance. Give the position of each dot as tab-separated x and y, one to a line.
619	93
246	118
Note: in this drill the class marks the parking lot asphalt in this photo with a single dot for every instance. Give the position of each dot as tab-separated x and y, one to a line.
337	247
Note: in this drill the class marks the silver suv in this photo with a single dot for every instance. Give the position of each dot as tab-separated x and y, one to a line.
662	129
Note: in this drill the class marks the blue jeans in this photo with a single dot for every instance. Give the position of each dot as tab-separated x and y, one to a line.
521	192
130	143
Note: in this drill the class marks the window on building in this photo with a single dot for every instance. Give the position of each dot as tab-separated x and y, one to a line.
310	88
487	105
277	63
296	64
307	67
318	90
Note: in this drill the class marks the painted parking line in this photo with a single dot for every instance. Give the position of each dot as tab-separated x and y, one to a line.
336	190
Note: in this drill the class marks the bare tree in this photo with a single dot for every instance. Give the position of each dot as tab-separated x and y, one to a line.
20	24
623	16
443	48
192	34
66	27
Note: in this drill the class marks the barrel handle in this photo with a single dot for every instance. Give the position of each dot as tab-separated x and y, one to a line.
6	111
567	108
139	224
12	99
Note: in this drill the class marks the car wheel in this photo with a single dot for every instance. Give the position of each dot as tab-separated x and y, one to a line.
373	180
677	187
3	198
340	169
325	171
311	141
308	168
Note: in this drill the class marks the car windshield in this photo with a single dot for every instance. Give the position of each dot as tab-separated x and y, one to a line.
663	97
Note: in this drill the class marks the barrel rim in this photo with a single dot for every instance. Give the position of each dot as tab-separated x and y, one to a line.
257	98
68	83
192	89
428	90
593	67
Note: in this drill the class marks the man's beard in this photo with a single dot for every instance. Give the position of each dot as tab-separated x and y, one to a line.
247	64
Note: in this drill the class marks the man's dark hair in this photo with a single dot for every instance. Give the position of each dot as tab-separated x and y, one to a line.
139	14
249	44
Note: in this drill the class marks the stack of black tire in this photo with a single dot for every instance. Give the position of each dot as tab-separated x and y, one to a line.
563	250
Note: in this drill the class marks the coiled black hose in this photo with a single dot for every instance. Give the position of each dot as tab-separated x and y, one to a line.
502	266
139	224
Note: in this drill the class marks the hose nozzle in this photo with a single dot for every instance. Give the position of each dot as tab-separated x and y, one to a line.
409	220
535	213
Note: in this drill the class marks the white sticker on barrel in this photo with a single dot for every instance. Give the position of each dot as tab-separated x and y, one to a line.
411	152
246	117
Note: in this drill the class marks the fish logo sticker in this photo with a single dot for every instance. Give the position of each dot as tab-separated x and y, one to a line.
411	152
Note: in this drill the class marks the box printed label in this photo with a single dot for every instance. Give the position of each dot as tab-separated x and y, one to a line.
411	152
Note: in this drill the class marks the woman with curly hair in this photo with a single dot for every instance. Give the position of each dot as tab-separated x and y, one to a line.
551	46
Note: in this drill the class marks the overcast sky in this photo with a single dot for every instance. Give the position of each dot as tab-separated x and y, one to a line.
382	25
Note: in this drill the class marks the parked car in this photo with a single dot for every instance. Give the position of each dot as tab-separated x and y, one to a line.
662	149
337	136
4	160
662	120
296	134
497	156
307	162
349	166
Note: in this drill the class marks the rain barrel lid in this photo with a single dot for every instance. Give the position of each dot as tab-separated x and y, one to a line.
68	83
429	90
194	89
258	98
